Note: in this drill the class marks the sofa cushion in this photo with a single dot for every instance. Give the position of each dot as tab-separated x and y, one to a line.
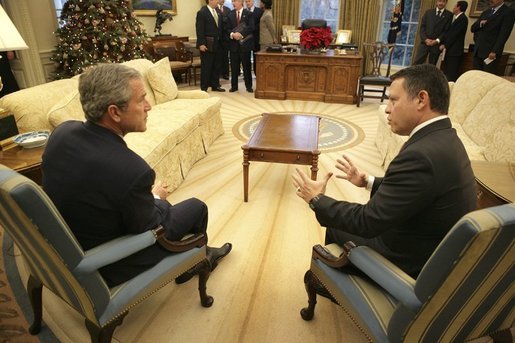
468	91
162	82
492	123
31	105
142	65
68	108
474	151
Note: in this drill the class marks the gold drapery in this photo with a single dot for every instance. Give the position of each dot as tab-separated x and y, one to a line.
285	12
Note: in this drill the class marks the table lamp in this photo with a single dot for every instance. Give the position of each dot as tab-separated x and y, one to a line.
10	38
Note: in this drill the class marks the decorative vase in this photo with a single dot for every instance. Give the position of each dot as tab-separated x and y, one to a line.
313	51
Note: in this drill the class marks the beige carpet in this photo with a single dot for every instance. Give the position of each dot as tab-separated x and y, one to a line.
258	288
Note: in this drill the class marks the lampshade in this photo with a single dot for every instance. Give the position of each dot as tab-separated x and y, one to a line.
10	39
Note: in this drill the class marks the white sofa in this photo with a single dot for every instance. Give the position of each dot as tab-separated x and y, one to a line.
482	110
180	127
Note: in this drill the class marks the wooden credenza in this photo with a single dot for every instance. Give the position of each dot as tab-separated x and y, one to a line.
325	77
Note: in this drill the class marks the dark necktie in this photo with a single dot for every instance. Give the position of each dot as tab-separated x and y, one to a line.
439	13
237	18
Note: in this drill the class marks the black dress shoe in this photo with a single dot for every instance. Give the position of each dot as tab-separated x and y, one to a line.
217	89
203	89
225	77
232	90
185	277
214	255
250	90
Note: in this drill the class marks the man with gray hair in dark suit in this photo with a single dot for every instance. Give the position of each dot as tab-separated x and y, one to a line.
491	31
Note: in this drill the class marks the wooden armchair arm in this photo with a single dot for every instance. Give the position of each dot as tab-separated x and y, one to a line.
323	254
193	241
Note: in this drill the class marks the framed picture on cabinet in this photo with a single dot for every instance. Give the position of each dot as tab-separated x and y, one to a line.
343	37
145	7
294	36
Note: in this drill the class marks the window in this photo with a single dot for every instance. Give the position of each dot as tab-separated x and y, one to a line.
407	39
321	9
59	7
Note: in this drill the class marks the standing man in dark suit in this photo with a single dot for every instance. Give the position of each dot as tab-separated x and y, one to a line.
491	31
223	12
240	31
428	186
453	41
103	189
257	13
432	27
209	41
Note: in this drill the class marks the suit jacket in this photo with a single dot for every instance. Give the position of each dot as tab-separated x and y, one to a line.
267	32
425	190
112	194
224	12
454	38
206	26
246	19
103	190
256	16
494	34
432	26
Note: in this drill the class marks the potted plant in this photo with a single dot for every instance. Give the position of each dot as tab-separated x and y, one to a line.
315	38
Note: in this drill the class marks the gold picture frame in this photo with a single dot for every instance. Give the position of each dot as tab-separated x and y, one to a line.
294	36
343	37
478	6
146	8
286	28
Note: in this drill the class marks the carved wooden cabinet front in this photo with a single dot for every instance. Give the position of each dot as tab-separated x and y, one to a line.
323	77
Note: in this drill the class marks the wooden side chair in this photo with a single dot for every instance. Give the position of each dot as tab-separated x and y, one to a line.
56	260
375	55
465	290
180	59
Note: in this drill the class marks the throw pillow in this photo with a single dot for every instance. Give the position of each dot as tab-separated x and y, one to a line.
68	108
162	82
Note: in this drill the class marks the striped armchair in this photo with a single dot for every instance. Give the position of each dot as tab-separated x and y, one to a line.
55	260
465	290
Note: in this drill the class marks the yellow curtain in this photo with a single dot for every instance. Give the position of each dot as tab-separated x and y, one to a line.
424	6
285	12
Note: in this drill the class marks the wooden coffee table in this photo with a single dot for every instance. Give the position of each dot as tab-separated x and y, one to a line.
25	161
282	138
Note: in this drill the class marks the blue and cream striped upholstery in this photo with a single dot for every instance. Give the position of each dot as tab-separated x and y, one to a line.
465	291
55	258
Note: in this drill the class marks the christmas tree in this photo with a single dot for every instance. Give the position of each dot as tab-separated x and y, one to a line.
96	31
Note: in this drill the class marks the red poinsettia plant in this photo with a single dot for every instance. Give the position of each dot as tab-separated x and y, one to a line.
316	38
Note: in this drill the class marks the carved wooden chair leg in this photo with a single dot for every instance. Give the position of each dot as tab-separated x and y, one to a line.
35	292
104	334
204	269
307	313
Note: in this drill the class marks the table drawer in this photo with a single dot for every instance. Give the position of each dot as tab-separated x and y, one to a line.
281	157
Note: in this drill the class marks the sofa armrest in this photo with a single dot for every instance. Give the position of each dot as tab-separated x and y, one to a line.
387	275
194	94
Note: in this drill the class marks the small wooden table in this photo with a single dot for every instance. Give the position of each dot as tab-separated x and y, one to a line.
283	138
25	161
495	181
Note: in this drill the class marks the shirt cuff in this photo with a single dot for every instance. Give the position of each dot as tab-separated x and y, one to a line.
156	196
370	183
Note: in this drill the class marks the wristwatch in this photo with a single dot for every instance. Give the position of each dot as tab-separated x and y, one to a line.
313	201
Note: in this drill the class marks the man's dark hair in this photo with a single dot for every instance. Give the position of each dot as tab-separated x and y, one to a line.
463	5
267	4
430	79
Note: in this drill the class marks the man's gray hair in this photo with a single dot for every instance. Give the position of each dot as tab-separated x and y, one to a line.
105	85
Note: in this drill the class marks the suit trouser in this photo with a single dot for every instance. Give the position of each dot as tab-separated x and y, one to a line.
224	71
451	67
479	64
242	57
188	216
423	52
210	64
